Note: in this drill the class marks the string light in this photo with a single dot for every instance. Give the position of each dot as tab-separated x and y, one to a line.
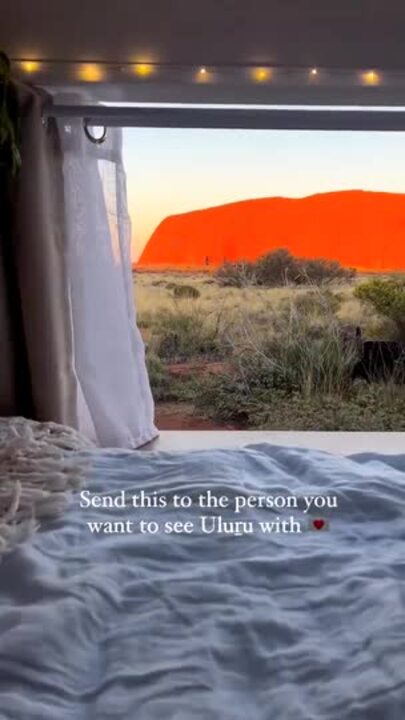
30	66
370	77
143	70
203	75
90	72
261	74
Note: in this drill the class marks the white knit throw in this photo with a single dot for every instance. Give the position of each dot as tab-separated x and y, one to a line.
39	468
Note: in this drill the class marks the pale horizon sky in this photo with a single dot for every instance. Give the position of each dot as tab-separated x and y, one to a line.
170	171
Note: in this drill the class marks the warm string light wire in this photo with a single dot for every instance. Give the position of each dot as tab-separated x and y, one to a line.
96	72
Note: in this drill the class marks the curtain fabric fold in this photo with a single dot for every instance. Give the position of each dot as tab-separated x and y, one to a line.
70	348
38	346
115	404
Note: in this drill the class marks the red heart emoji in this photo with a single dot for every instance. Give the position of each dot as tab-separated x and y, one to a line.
318	524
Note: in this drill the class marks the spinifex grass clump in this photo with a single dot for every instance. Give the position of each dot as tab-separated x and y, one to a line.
185	333
186	291
387	298
298	354
301	348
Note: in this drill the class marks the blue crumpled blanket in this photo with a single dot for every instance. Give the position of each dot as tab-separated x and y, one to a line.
213	625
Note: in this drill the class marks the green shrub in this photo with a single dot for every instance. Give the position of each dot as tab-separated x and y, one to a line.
158	377
280	267
387	297
365	408
222	397
186	291
315	302
277	268
238	274
165	387
180	335
321	271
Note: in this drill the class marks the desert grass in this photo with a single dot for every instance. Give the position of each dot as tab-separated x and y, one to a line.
286	363
153	296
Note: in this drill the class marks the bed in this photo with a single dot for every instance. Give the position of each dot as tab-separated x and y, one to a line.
209	624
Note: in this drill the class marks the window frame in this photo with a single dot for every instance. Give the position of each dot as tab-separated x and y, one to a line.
367	119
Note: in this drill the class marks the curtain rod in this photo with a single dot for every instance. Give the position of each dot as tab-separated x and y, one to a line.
233	118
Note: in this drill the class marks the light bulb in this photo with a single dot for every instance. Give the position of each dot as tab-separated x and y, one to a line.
30	66
90	72
261	74
143	69
371	77
203	75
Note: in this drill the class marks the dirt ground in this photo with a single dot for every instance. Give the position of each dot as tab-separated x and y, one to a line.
179	416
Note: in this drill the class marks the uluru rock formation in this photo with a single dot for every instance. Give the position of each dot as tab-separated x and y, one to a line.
360	229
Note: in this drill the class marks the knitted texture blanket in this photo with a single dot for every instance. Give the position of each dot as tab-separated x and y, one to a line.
40	465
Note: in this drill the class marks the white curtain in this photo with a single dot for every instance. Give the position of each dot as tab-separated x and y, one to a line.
114	401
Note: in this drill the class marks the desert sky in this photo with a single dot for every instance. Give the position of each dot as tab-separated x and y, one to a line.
172	171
